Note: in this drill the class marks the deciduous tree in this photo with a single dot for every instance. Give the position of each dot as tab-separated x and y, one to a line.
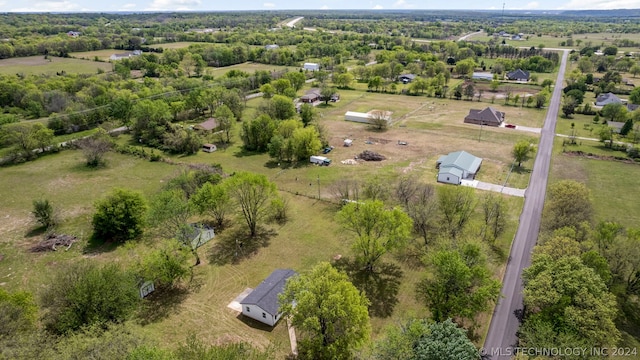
377	230
521	151
459	285
568	205
213	200
252	193
329	313
456	204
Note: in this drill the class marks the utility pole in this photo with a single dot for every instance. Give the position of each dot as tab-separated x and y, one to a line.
318	187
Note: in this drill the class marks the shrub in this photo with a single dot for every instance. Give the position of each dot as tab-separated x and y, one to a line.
120	216
85	294
44	213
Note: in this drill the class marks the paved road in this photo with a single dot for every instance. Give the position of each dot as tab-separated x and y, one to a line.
293	22
470	35
502	332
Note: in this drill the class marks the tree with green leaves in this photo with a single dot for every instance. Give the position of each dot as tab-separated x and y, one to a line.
18	313
165	266
422	339
326	92
329	313
257	133
252	193
213	200
572	298
44	213
615	112
459	285
456	204
169	214
465	67
226	120
120	216
296	79
307	114
569	105
542	97
521	151
280	107
151	121
377	230
495	212
85	293
568	205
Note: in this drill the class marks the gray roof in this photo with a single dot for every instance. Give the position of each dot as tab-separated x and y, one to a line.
408	76
451	170
461	160
518	74
266	294
611	97
488	115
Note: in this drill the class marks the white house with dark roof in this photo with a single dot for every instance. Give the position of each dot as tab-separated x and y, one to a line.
489	117
608	98
262	304
457	166
518	75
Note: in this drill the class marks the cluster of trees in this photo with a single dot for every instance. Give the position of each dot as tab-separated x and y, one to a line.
582	276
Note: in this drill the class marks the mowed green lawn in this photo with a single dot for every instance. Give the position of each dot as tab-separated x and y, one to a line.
40	65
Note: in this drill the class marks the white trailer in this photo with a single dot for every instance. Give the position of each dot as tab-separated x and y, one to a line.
320	160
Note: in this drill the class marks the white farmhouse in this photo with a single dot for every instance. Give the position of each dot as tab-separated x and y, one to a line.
262	303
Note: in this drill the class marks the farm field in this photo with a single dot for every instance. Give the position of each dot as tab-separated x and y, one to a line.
40	65
249	67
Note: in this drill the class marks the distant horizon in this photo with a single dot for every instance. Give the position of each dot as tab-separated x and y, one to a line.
139	6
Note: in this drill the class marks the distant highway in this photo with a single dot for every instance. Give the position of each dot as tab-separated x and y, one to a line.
501	338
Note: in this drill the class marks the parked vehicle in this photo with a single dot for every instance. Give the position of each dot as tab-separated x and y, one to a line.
320	160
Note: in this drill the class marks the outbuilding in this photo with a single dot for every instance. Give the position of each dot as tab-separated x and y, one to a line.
457	166
262	304
311	66
367	118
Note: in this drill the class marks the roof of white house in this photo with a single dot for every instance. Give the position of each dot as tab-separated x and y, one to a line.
461	160
266	294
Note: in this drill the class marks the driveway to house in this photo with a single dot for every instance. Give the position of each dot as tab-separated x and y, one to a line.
529	129
493	187
501	338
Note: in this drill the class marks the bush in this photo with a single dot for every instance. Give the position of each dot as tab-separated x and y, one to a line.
165	266
85	294
120	216
18	313
279	210
44	213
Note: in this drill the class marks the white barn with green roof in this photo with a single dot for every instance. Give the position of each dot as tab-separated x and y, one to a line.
457	166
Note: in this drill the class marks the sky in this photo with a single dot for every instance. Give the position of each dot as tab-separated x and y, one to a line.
219	5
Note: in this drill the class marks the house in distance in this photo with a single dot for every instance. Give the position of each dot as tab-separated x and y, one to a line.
262	304
518	75
489	117
311	66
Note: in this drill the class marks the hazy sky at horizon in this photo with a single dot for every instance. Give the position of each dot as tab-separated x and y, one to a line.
217	5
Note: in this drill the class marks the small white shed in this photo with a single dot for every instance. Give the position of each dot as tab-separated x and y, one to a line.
311	66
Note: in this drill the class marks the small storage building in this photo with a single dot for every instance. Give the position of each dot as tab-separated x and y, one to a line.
366	117
311	66
209	148
262	304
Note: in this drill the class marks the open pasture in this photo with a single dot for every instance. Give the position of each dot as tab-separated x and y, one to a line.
39	65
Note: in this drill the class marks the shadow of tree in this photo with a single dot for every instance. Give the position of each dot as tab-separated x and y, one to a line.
97	246
236	244
381	286
160	304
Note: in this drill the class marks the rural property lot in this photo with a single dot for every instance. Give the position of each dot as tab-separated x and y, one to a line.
50	66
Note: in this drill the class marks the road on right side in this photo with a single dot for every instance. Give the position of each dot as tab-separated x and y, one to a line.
501	339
